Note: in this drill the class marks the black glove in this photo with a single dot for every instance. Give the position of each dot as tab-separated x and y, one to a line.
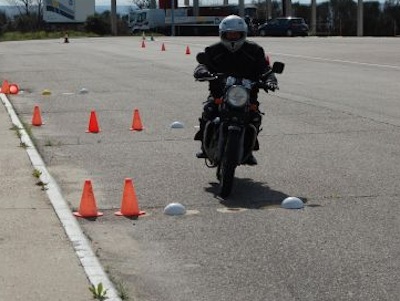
272	85
201	73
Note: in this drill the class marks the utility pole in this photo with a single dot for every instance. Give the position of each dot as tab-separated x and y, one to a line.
287	8
241	8
196	9
268	10
360	17
313	17
114	17
172	18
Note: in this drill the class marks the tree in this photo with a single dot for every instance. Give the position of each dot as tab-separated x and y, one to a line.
3	21
344	14
99	24
372	18
24	6
145	3
324	19
303	11
262	10
392	14
30	13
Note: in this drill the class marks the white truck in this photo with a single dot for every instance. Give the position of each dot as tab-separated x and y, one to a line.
183	19
67	11
146	19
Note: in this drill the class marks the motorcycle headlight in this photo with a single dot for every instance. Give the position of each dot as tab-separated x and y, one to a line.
237	96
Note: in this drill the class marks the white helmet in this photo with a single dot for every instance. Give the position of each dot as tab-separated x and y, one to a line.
233	32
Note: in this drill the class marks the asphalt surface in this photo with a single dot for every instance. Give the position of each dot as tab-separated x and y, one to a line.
330	137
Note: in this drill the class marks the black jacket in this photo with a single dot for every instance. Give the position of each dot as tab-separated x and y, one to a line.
248	62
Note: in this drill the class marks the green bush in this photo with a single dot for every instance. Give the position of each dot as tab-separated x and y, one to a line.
98	24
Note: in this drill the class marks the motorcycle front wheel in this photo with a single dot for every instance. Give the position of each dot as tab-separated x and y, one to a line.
229	163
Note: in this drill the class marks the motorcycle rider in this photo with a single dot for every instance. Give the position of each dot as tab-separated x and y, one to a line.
233	55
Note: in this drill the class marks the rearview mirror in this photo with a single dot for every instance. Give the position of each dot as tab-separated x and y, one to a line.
278	67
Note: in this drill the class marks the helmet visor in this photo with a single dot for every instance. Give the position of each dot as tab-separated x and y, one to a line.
232	36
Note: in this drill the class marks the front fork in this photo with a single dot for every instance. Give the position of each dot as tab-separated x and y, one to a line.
247	141
244	148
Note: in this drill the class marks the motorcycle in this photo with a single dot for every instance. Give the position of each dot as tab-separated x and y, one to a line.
229	139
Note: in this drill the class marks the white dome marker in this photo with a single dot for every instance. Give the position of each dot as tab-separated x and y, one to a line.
174	209
292	203
177	125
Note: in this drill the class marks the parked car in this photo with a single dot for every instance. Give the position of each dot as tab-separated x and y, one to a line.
284	26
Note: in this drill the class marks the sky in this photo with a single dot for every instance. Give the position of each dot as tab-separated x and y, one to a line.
129	2
98	2
124	2
108	2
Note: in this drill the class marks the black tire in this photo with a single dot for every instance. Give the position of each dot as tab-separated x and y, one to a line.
229	163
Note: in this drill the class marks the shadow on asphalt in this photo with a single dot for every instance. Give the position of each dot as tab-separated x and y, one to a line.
247	193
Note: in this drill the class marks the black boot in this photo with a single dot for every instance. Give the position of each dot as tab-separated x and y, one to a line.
201	154
199	135
256	145
251	160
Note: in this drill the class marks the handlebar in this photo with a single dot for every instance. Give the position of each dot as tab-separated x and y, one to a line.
261	84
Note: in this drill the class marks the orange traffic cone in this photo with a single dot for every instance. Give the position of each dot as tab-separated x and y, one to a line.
5	87
162	47
36	118
136	122
129	203
143	44
88	207
187	50
93	124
